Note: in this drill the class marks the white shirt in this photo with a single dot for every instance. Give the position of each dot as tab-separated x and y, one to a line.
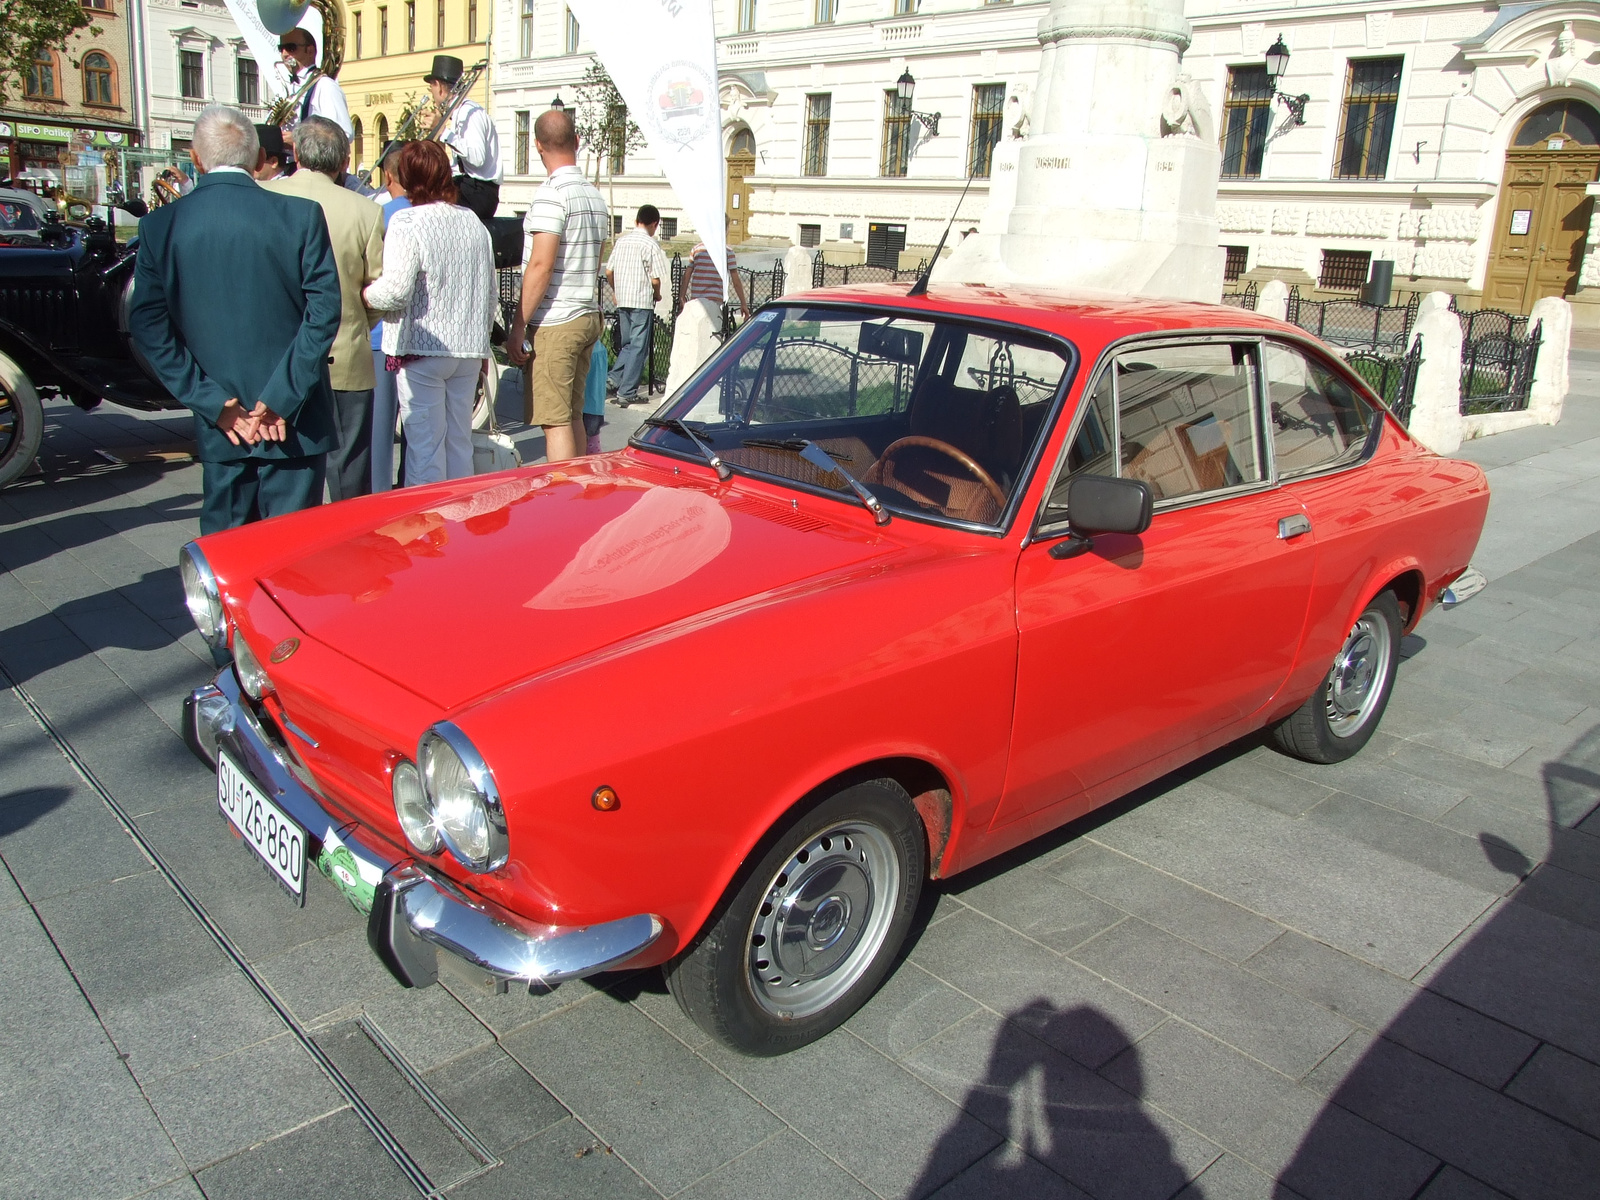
326	100
636	259
476	143
573	209
438	291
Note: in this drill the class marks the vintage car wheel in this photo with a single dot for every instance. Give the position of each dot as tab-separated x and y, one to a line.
1342	715
813	929
21	421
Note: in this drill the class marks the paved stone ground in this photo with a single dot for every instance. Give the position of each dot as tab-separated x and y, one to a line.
1254	978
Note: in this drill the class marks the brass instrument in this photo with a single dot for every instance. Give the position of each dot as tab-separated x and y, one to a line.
280	17
407	128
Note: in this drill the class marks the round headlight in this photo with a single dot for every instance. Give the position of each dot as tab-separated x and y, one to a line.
463	798
200	593
252	677
411	806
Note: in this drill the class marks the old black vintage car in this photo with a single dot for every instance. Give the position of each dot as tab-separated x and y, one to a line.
63	329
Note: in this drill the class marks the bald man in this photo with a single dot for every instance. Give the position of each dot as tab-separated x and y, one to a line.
566	225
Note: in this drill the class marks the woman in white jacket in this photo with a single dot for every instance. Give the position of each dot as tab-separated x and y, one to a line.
439	297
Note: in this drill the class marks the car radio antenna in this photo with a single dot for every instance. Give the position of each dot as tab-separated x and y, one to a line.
920	287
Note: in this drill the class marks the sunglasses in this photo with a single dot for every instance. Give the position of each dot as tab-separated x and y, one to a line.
296	45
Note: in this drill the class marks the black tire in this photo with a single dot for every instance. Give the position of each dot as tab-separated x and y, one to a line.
21	421
1332	726
744	991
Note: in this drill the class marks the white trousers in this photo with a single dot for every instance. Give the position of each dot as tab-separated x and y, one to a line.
436	416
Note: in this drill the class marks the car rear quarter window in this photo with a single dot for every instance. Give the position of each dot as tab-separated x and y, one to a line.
1318	420
1186	418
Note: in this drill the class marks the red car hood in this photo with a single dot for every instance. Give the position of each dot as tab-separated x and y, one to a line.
487	582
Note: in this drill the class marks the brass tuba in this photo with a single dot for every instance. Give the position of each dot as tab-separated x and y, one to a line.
280	16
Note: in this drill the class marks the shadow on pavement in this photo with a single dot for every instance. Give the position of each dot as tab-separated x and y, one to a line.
1091	1132
22	808
1503	1085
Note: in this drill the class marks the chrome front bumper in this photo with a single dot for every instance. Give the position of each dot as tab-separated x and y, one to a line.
1463	588
412	914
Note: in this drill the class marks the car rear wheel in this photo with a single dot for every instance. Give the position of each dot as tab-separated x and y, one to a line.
813	929
1342	715
21	421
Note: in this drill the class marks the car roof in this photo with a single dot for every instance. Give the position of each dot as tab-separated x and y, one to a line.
1084	317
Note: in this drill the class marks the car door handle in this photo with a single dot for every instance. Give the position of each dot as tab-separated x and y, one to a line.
1293	527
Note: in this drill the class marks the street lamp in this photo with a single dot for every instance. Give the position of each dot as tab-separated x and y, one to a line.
556	104
1277	65
904	87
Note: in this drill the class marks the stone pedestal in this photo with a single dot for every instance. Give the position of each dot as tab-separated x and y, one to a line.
1436	406
1115	185
694	341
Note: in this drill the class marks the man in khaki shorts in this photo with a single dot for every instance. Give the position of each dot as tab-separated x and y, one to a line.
564	230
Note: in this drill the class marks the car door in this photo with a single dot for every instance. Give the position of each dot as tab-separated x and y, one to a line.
1131	653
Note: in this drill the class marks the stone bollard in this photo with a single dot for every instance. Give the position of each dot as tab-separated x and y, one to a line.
1272	299
694	341
1436	408
1550	380
797	268
1434	302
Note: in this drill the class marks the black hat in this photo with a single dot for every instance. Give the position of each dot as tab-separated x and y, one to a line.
446	69
272	141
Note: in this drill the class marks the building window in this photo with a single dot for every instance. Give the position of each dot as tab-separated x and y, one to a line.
383	31
616	224
747	15
819	114
383	136
356	17
42	78
358	146
1236	262
905	7
1561	122
988	113
472	20
248	81
1246	116
1371	92
669	228
411	24
191	75
438	23
811	235
97	83
617	138
520	145
525	29
825	11
895	156
1344	270
572	33
98	5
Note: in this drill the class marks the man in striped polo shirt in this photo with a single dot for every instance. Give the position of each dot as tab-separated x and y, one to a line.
565	227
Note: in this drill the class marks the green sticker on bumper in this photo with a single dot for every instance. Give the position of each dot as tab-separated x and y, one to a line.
357	879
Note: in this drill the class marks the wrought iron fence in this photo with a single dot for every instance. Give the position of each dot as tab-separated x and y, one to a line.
1392	376
827	274
1245	299
1354	323
1489	323
1497	370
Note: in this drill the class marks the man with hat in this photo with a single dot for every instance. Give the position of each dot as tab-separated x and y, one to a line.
471	139
276	164
325	98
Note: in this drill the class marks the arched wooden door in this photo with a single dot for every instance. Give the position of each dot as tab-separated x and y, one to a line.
1543	216
741	164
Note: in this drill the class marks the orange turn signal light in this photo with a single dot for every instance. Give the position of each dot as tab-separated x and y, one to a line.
605	799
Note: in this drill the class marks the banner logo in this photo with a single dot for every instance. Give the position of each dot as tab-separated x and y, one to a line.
684	104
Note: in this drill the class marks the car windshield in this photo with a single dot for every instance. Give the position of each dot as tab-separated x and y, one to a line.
934	416
15	216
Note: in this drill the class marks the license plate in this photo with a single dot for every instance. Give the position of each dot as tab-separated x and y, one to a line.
276	837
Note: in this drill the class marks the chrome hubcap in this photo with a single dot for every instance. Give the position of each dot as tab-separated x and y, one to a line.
1358	671
823	919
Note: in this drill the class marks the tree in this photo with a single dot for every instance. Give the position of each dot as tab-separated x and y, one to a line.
602	121
27	29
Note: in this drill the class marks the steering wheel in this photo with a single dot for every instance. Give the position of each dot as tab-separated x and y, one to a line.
881	468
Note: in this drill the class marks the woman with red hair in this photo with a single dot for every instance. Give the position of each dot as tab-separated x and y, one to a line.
439	298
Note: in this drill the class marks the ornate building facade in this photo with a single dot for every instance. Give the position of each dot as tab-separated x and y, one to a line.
194	55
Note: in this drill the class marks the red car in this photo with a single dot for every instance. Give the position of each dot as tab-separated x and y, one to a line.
892	585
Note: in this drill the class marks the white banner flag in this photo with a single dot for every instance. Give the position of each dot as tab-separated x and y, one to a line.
662	55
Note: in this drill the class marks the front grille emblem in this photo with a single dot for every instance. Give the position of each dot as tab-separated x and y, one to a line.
284	649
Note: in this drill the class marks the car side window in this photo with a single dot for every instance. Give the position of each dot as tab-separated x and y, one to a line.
1186	417
1318	420
1090	452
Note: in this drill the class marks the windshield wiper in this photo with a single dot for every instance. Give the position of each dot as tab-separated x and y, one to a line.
681	428
823	461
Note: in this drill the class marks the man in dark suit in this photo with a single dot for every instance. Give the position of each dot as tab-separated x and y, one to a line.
235	306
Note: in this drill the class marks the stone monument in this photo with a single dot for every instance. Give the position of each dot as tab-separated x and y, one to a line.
1108	179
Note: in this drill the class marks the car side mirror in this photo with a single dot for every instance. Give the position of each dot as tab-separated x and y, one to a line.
1102	504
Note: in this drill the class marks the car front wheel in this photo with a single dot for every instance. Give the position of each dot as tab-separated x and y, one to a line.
813	929
1342	715
21	421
